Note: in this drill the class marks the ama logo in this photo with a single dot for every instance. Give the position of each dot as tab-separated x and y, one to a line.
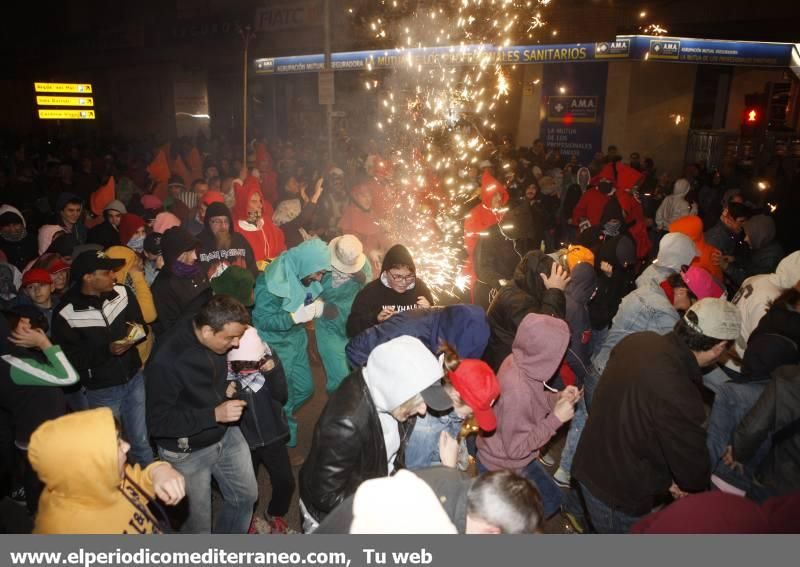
612	49
665	48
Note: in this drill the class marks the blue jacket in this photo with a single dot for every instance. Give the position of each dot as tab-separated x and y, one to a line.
465	327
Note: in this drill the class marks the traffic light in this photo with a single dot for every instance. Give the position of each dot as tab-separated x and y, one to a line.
754	117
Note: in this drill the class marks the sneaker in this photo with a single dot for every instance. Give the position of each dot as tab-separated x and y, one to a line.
546	460
278	525
562	478
18	495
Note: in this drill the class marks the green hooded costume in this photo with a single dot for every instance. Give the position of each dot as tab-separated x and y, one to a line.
331	333
279	293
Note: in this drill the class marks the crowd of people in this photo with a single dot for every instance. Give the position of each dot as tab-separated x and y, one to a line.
625	357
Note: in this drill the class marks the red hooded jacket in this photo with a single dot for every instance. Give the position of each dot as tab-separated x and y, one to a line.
266	239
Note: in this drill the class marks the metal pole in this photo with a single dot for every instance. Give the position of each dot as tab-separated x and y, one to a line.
246	38
328	107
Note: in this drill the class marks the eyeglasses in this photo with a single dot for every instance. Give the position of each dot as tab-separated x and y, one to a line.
401	278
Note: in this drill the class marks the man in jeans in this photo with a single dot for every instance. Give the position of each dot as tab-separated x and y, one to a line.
644	440
92	325
192	421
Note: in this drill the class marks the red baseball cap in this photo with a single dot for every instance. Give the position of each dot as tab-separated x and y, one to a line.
58	265
36	275
477	385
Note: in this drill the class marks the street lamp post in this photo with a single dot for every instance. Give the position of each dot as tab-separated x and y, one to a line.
247	34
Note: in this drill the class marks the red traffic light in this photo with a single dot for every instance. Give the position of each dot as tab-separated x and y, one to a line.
751	116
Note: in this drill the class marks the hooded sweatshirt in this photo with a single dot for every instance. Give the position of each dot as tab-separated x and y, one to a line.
579	292
265	239
526	294
765	251
675	206
356	438
283	277
525	418
396	371
22	251
377	295
675	251
692	226
76	458
755	296
134	279
215	259
175	296
463	326
47	234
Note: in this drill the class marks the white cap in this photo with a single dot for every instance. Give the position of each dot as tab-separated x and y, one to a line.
347	254
251	348
399	504
714	317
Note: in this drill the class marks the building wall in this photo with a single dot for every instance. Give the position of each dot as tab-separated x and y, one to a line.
648	106
530	109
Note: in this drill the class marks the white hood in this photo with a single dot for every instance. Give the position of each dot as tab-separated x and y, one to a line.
681	187
10	209
398	370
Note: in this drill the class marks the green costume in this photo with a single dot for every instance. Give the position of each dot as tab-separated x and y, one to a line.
279	293
331	334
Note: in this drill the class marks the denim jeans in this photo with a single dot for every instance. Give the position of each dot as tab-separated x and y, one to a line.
731	403
422	448
576	426
229	462
604	518
127	403
551	494
715	378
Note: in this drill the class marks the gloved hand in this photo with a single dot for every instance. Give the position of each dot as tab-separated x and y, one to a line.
319	308
305	313
330	311
360	277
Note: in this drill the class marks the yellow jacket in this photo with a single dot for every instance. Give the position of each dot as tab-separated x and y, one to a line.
135	280
76	457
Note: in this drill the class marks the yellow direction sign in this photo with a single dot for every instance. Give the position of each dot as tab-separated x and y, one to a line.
64	101
80	88
58	114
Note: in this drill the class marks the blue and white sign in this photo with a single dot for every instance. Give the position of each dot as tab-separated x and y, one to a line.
574	98
633	47
618	49
710	51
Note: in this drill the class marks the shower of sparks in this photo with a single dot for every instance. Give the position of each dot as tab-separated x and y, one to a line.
437	115
654	29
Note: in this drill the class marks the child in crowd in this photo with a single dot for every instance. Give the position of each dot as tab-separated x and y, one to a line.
256	376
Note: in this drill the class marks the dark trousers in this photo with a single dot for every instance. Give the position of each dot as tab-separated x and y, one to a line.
275	458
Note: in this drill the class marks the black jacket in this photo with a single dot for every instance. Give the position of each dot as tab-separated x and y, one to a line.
347	448
264	421
103	234
776	413
22	252
451	486
646	425
775	342
175	297
526	294
372	299
85	326
185	382
215	259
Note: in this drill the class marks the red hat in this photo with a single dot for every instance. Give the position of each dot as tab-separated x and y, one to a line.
58	265
128	226
36	275
213	197
477	385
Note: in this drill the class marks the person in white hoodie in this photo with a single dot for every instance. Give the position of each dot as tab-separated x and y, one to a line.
675	206
675	251
362	431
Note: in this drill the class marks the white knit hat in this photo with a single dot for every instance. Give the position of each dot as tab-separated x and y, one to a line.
399	504
251	348
347	254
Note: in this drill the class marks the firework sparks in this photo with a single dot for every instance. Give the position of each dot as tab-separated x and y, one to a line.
437	114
